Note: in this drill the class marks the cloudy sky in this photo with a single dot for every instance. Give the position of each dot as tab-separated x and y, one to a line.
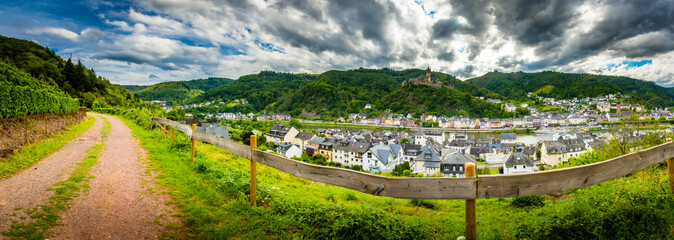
145	42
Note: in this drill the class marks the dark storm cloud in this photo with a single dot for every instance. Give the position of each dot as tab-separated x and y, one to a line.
137	58
646	45
357	21
508	62
306	6
532	22
445	28
621	21
447	55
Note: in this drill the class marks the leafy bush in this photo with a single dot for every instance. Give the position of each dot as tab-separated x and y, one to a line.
529	201
23	95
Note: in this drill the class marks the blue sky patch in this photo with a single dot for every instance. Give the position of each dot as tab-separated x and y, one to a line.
430	13
268	46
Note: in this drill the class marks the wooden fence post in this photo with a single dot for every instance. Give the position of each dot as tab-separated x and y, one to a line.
163	132
173	137
471	219
253	173
194	130
670	166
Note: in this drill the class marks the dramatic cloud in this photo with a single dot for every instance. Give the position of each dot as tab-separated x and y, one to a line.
147	41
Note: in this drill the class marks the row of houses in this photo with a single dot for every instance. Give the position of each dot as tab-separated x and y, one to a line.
427	152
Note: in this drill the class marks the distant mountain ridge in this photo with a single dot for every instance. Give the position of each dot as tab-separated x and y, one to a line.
177	90
558	85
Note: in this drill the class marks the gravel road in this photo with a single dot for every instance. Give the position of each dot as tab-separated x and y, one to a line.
121	202
28	188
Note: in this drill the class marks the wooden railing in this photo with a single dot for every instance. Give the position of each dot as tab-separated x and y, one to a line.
485	186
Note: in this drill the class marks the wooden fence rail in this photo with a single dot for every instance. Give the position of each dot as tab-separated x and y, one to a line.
485	186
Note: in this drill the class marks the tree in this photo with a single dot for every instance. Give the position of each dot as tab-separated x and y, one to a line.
399	168
295	123
404	140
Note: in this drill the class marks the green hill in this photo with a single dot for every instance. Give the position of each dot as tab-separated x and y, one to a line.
75	79
260	90
133	88
178	90
438	101
338	93
569	85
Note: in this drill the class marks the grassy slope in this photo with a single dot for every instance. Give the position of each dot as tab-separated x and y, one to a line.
35	152
212	194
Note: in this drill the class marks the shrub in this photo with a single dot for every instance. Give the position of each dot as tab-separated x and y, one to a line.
530	201
349	196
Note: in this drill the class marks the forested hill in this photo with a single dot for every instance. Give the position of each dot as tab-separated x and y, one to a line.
260	90
569	85
177	90
75	79
338	93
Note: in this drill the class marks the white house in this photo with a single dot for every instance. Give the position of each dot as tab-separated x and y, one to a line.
509	107
427	161
381	158
518	162
289	150
509	138
436	136
349	153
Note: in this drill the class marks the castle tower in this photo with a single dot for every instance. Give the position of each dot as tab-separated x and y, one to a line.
428	74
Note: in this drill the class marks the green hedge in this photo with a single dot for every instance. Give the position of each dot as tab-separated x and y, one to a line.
22	95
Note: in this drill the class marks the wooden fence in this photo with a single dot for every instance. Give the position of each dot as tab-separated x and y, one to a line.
470	188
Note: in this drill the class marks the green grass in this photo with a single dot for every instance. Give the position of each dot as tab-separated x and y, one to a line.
36	151
212	195
45	217
545	89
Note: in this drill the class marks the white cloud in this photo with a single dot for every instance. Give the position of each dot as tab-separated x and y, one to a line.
88	34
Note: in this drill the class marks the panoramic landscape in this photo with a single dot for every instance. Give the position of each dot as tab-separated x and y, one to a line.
199	119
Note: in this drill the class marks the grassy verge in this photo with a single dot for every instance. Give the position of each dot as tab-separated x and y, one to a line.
44	217
212	195
36	151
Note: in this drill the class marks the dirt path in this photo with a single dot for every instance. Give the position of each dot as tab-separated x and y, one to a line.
119	204
28	188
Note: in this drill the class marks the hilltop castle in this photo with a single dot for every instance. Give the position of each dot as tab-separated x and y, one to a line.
425	80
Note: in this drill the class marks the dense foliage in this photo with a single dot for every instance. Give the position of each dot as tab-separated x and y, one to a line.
76	80
23	95
259	90
338	93
178	90
569	85
421	99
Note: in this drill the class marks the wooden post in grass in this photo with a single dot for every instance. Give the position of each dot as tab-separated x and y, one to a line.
173	137
670	166
194	130
471	219
163	132
253	174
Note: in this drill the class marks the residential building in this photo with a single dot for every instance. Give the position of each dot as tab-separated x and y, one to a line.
288	150
281	133
302	138
518	162
349	152
509	138
453	164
